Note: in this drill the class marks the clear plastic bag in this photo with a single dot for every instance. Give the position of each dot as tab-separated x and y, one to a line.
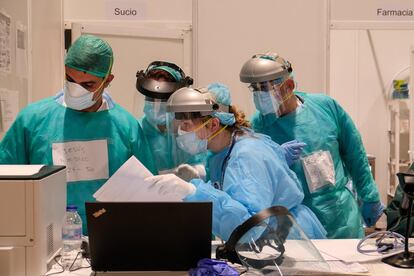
319	170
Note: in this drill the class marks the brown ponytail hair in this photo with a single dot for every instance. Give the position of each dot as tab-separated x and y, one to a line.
240	117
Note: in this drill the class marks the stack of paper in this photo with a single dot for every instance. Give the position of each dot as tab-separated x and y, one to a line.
128	184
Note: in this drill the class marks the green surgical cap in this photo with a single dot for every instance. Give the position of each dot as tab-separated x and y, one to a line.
90	54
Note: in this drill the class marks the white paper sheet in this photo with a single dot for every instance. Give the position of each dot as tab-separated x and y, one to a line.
84	160
5	47
21	53
20	169
9	101
128	184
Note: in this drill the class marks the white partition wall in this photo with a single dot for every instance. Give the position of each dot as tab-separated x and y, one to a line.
228	32
366	52
32	54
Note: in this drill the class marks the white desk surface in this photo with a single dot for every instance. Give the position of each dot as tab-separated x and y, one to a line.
342	251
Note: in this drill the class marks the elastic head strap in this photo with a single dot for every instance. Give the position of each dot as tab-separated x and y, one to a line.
227	251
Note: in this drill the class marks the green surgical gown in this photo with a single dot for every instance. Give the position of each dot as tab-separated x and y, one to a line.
37	127
322	124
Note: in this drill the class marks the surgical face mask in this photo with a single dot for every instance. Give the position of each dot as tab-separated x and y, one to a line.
267	97
189	142
265	102
156	112
77	97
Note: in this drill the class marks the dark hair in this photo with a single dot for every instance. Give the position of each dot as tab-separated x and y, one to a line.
160	75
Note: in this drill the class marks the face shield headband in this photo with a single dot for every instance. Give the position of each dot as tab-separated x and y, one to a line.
161	89
228	250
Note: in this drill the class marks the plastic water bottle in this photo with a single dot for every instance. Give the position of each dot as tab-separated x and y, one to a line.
71	238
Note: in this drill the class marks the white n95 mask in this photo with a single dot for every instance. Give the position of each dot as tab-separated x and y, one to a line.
77	97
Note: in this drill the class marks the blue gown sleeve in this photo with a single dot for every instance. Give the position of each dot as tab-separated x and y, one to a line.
353	154
227	212
248	190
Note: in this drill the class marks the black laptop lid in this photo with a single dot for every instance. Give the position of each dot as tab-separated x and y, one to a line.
133	236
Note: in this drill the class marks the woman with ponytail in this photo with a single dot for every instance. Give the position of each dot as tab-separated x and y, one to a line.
248	171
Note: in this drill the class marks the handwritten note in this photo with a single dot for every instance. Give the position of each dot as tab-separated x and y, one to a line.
5	43
21	53
9	107
84	160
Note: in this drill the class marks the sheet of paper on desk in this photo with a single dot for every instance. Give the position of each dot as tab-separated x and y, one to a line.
128	184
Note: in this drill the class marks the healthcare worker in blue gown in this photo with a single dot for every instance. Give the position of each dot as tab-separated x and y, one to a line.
332	150
157	83
81	127
248	171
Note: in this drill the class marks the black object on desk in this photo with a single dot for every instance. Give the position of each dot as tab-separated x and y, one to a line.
145	236
404	259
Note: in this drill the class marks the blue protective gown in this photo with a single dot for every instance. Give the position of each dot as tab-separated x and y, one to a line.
322	124
162	150
256	177
29	141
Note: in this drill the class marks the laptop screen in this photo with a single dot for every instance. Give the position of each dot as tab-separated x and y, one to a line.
136	236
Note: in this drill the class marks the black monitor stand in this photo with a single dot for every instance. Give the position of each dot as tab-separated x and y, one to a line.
404	259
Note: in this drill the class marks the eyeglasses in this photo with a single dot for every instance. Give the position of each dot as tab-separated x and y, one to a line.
189	126
266	86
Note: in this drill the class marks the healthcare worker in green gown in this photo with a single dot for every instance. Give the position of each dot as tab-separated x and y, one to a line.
157	83
329	150
81	127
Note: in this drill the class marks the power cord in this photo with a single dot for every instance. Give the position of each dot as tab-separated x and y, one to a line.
383	246
80	253
61	266
81	267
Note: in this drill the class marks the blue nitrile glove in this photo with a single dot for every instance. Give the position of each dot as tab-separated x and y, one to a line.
211	267
371	212
292	150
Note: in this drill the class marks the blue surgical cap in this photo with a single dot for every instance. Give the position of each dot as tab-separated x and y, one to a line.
221	94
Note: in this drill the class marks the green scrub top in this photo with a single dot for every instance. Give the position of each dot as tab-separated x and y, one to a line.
38	127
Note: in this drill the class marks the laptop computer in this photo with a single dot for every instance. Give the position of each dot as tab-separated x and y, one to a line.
145	236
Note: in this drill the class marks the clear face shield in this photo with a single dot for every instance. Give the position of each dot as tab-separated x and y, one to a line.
269	96
187	136
272	243
156	111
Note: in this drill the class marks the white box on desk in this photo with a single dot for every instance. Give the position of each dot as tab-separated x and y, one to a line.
31	214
